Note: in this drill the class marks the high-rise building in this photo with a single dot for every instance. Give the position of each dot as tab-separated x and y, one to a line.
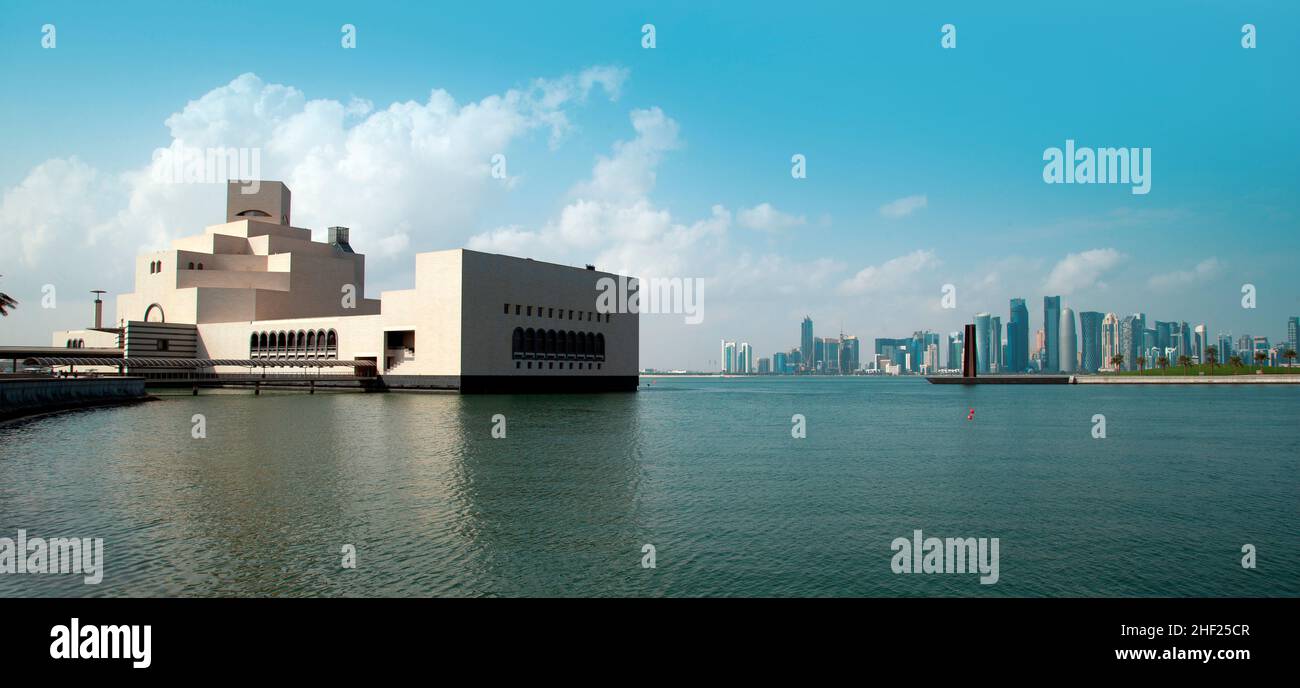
1090	326
1109	340
931	358
728	359
806	344
745	359
1051	328
780	363
1164	334
995	344
1018	337
1069	344
1130	341
1292	325
764	366
850	351
983	334
1199	341
954	350
831	348
1225	347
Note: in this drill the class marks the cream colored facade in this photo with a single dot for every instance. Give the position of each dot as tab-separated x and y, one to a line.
256	287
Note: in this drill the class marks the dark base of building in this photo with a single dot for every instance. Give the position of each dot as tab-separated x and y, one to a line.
515	384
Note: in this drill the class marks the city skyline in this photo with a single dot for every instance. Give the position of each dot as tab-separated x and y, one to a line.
1093	337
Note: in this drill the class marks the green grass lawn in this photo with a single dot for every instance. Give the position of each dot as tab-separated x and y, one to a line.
1219	369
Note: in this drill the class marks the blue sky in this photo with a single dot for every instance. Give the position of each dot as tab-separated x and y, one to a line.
728	94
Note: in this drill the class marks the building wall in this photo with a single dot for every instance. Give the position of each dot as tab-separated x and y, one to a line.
493	282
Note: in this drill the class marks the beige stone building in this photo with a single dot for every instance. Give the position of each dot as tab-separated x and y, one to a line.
257	288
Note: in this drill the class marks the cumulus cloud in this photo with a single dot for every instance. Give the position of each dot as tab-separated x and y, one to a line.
1078	271
904	206
413	168
890	275
765	218
1182	278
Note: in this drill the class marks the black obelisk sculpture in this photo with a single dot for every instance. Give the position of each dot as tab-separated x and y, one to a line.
968	353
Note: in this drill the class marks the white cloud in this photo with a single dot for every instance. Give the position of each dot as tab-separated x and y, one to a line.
1078	271
765	218
1182	278
904	206
891	275
630	172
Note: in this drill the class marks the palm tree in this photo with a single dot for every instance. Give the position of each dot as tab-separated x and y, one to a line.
1289	355
1142	361
1163	362
1234	361
1118	361
1185	361
1260	357
1211	356
6	302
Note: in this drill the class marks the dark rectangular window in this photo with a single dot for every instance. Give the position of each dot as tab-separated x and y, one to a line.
550	312
507	309
516	309
530	310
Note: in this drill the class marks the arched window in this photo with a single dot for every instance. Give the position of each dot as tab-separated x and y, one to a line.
67	344
320	343
281	340
550	343
252	345
570	344
311	343
530	343
600	347
200	266
302	342
331	344
517	343
293	341
149	311
261	344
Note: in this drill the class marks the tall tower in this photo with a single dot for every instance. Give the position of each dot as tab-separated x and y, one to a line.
1052	333
983	333
806	352
1018	337
1068	350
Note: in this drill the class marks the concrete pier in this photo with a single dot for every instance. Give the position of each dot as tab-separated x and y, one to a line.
26	396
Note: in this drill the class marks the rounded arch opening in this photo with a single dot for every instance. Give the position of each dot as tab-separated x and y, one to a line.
162	318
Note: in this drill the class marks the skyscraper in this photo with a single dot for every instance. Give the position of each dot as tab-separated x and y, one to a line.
1018	337
1069	345
728	357
1130	341
1109	339
1051	332
1200	339
983	333
995	344
1292	325
745	359
849	354
1090	341
954	350
831	349
780	363
806	344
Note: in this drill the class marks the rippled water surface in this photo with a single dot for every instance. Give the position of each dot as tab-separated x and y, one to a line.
706	470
